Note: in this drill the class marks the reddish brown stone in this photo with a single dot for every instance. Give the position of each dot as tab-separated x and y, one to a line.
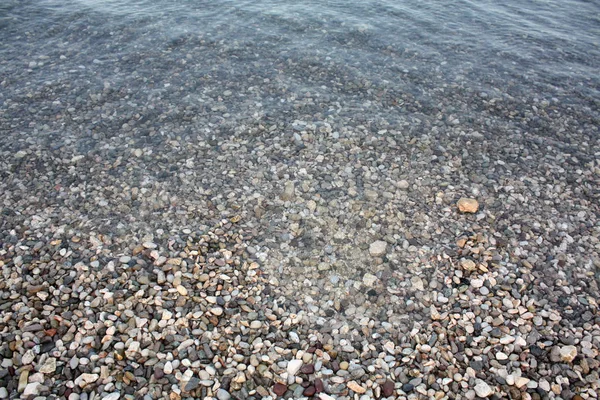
307	369
309	391
319	385
388	388
279	389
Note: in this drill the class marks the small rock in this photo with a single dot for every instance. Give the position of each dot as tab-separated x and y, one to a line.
294	366
378	248
355	387
369	279
3	393
568	353
403	184
468	265
28	357
192	384
112	396
279	389
223	394
388	388
288	192
521	381
49	366
467	205
182	290
483	389
23	378
216	311
309	391
33	389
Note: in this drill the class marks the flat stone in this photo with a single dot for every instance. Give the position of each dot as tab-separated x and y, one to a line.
388	388
568	353
288	192
223	394
355	387
369	279
294	366
309	391
33	389
191	384
467	205
378	248
216	311
112	396
403	184
468	265
483	389
3	393
279	389
49	366
23	378
28	357
182	290
521	381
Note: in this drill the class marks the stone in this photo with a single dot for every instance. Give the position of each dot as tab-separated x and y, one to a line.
468	265
467	205
279	389
521	381
49	366
191	384
369	279
216	311
223	394
482	389
355	387
288	192
33	389
568	353
388	388
182	290
377	248
23	379
28	357
112	396
293	367
3	393
85	379
307	369
403	184
309	391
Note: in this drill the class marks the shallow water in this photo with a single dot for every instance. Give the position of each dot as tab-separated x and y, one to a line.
548	46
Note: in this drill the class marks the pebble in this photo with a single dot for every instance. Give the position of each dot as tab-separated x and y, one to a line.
182	290
293	367
288	192
378	248
216	311
3	393
483	389
355	387
568	353
467	205
49	366
223	394
33	389
279	389
369	279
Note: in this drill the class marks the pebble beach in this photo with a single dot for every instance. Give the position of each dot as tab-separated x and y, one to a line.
246	213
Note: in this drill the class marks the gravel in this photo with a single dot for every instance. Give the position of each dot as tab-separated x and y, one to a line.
241	236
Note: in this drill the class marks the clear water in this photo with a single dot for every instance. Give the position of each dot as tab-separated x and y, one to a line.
550	47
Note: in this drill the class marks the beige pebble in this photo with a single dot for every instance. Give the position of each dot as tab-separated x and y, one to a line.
467	205
355	387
